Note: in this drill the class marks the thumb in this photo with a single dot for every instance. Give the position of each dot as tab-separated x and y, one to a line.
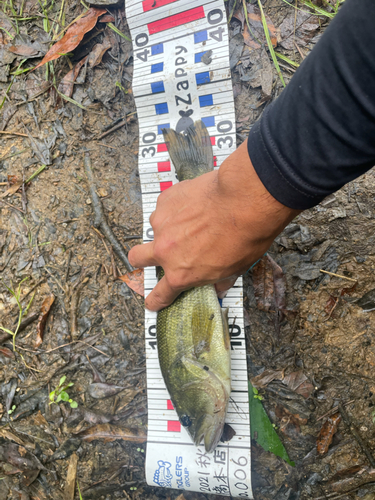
224	285
161	296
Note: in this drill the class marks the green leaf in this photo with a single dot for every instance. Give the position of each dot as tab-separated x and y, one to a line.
74	404
62	380
262	428
59	398
52	395
64	396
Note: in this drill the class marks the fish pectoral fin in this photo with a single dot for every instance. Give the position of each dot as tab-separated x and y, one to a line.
224	316
202	328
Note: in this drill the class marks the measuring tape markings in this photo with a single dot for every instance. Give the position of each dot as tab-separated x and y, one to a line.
155	82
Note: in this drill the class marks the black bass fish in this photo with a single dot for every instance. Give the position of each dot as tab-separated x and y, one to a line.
192	333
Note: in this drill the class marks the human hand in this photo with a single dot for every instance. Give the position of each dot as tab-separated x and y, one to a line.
210	229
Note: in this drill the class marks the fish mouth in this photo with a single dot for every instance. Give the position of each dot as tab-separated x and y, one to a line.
210	429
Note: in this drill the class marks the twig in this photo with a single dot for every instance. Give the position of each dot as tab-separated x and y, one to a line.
74	302
116	127
334	410
24	199
355	433
337	275
12	206
8	259
100	220
68	266
13	133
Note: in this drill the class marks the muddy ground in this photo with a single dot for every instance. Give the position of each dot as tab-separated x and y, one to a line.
94	332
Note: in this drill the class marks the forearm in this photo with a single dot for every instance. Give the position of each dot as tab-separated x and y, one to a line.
319	134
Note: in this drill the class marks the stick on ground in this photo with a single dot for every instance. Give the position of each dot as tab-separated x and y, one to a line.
100	220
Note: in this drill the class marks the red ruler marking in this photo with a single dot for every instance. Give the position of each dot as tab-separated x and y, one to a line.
176	20
169	405
154	4
164	166
213	140
173	426
162	148
165	185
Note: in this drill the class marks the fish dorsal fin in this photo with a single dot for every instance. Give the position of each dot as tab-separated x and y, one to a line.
202	327
191	152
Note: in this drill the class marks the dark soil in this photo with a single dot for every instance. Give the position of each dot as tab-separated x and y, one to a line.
94	333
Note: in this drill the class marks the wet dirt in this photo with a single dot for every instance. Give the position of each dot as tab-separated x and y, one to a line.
94	331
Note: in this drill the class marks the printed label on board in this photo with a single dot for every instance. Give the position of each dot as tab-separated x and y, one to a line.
182	74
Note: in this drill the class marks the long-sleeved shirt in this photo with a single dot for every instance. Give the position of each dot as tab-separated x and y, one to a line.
319	133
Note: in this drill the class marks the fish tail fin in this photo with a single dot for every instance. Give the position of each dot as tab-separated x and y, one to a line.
191	152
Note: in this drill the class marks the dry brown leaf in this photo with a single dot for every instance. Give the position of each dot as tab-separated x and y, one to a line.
300	29
257	35
269	285
44	312
6	352
73	36
13	189
12	437
262	380
327	432
107	18
97	53
109	433
23	50
135	281
299	383
67	83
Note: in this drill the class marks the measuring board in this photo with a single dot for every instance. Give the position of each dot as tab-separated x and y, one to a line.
182	74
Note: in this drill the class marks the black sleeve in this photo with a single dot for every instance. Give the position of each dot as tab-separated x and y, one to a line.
320	133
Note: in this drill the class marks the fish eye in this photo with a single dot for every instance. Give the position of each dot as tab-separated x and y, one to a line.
186	420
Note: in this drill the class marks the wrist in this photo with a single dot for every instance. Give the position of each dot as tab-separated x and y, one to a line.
253	207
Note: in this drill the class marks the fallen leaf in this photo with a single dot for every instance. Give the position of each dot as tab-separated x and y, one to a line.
70	483
327	432
134	280
109	433
6	352
266	377
24	50
97	53
13	189
99	390
107	18
269	285
255	37
300	29
12	437
44	312
73	36
299	383
19	457
66	85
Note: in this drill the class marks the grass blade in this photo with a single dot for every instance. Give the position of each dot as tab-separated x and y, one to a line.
269	43
116	30
287	60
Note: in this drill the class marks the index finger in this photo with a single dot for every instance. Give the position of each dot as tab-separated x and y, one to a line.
142	255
